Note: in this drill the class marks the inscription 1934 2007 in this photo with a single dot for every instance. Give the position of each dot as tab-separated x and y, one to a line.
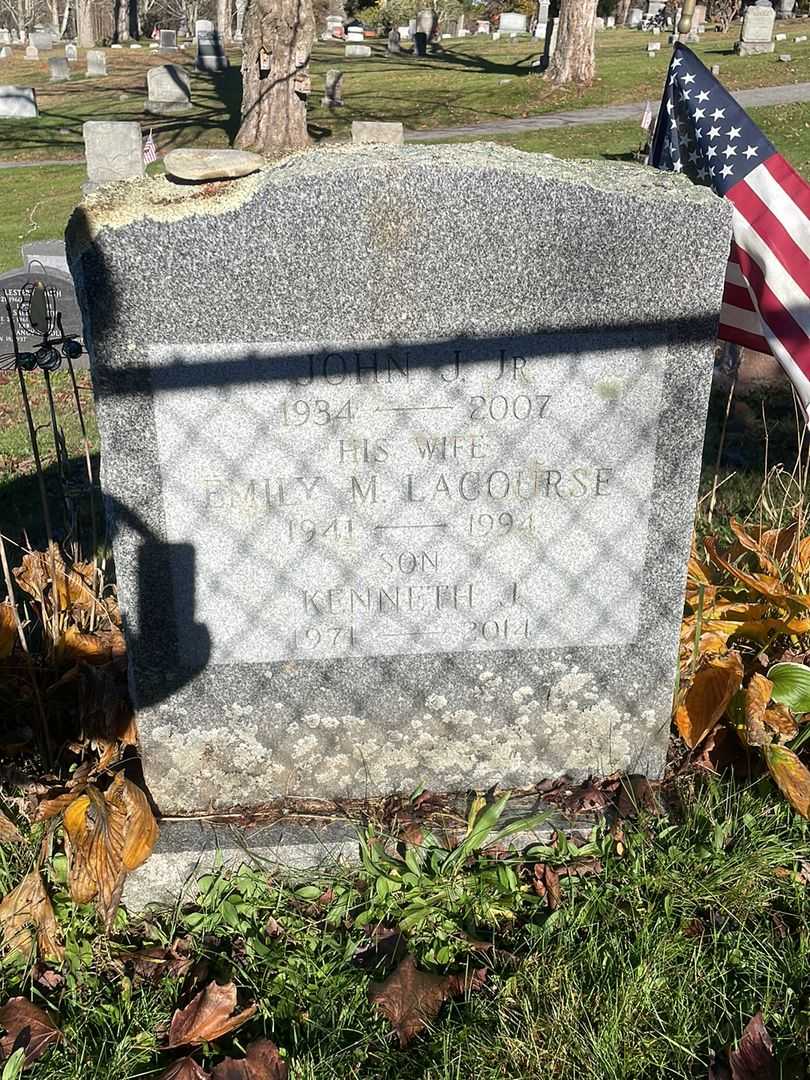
380	500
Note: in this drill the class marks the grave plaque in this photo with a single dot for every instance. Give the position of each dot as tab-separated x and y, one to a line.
365	540
756	35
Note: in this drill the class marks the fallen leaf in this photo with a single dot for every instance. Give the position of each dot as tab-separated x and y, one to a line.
753	1059
790	775
207	1016
723	750
779	718
708	697
185	1069
636	794
262	1061
26	914
757	696
152	964
105	710
50	807
108	835
382	943
9	833
47	980
92	647
44	572
411	999
766	585
26	1027
748	542
553	892
8	629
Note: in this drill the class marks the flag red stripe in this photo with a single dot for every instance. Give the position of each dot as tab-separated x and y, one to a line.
787	177
773	232
737	296
741	337
779	320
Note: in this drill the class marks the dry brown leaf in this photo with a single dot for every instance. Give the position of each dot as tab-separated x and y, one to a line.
26	1027
50	807
104	706
9	833
151	964
27	913
185	1069
411	999
708	697
262	1061
108	835
779	718
763	584
96	647
753	1059
208	1016
72	585
802	563
757	695
8	629
790	775
750	544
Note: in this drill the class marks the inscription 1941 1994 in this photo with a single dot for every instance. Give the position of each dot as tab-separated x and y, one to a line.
402	479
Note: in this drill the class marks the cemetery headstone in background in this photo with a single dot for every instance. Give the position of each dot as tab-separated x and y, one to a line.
58	69
512	22
634	17
412	508
376	131
96	62
113	151
756	35
41	40
168	40
169	90
19	102
5	52
44	261
210	52
394	42
356	52
332	91
31	52
71	53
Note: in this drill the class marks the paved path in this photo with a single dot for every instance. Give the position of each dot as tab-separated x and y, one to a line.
604	114
601	114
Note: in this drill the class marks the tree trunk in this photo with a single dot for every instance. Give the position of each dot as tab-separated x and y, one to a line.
85	31
275	60
622	8
223	20
574	57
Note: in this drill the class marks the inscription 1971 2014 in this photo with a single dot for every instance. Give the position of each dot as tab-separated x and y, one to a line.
380	500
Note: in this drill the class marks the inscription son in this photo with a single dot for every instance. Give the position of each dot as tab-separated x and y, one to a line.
458	463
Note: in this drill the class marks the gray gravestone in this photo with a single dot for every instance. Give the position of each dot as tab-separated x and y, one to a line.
415	511
5	52
634	17
168	39
58	69
96	62
113	151
512	22
210	52
354	52
169	90
43	261
41	40
332	91
756	35
5	37
31	52
394	44
375	131
18	102
71	53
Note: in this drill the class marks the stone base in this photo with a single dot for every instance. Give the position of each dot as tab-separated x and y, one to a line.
168	108
192	847
751	48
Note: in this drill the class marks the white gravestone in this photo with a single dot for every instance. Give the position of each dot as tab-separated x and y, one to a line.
756	35
19	102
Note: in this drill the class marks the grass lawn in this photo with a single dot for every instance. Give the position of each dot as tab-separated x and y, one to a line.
687	927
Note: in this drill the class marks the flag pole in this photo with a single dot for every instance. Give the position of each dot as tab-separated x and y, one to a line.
685	21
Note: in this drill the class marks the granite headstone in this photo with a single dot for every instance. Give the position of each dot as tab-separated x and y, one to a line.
756	35
113	151
96	62
18	102
58	69
169	90
168	40
210	51
410	508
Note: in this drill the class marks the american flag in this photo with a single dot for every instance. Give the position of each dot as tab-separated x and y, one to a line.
149	149
703	133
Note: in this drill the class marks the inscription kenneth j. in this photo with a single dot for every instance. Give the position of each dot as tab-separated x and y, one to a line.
377	500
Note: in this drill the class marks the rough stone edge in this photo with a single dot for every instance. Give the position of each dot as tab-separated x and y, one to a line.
157	198
189	848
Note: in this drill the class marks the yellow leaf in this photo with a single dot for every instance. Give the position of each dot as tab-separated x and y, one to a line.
750	544
708	697
802	563
8	629
98	647
141	832
791	776
762	584
26	909
780	719
757	696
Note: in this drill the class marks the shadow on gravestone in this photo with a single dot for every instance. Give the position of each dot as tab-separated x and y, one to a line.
290	427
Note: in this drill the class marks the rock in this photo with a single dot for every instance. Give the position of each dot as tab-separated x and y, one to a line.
211	164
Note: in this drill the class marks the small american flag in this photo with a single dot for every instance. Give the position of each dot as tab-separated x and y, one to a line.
149	149
703	133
